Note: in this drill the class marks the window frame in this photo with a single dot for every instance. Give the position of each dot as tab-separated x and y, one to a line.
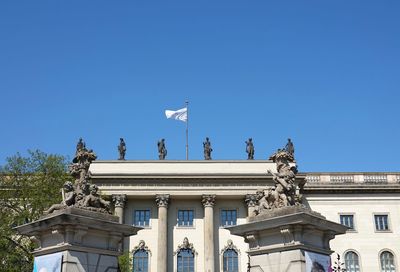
388	222
223	259
221	225
147	257
134	217
354	229
358	256
193	220
379	259
230	245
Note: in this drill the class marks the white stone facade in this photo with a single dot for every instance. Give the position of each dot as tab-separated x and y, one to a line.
362	195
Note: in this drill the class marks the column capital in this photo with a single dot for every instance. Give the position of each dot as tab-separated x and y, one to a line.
162	200
119	200
208	200
251	200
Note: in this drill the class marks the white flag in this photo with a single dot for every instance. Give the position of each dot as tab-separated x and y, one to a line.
177	115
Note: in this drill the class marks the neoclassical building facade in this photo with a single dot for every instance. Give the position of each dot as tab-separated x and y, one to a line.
184	207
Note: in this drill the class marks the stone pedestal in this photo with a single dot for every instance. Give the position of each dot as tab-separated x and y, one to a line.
280	239
88	241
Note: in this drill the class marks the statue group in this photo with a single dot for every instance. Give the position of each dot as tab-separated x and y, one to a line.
162	150
81	194
284	192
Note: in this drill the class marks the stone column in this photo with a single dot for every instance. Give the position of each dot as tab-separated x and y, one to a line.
162	203
119	204
208	202
251	202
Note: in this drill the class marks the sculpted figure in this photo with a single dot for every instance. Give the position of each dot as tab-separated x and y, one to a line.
290	147
94	200
250	149
79	146
68	198
81	194
121	149
207	149
162	151
266	200
285	189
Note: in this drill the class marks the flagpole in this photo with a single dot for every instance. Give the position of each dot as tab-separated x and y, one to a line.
187	130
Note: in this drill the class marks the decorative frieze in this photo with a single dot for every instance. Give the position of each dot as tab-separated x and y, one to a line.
208	200
162	200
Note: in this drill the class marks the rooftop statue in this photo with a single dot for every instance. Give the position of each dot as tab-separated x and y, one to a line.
284	192
162	151
81	194
121	149
207	149
290	147
250	149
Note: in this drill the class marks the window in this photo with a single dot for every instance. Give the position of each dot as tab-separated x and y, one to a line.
140	261
230	261
347	220
387	262
228	217
351	262
381	222
142	218
185	260
185	218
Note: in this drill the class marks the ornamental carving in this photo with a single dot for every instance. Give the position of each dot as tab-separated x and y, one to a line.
141	246
208	200
185	245
230	245
162	200
81	194
284	193
119	200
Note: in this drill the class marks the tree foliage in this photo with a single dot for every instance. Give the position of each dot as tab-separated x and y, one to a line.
28	186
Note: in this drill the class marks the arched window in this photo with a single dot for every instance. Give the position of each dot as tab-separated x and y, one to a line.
387	262
351	262
185	260
185	256
230	261
141	257
230	257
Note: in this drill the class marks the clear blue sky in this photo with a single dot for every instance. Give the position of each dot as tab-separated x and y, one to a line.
324	73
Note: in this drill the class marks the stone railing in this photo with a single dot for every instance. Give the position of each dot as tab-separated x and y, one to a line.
339	178
342	178
313	178
375	178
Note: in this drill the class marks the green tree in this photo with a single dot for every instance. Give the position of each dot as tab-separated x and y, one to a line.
28	186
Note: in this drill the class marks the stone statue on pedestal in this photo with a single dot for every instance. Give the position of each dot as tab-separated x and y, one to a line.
82	194
121	149
207	149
